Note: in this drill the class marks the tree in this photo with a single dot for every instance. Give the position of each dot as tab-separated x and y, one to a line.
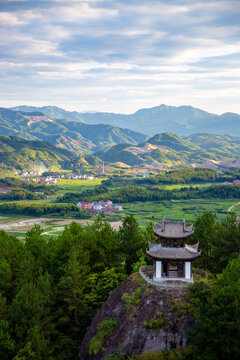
204	234
131	241
217	329
226	243
71	289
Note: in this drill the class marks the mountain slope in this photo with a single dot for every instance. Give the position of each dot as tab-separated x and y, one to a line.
53	112
17	154
225	145
79	137
172	141
183	120
167	150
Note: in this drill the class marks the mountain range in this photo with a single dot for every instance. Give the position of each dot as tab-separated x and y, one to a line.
182	120
120	145
75	136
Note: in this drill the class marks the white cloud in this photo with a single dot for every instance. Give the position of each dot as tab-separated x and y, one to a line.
121	55
79	12
8	19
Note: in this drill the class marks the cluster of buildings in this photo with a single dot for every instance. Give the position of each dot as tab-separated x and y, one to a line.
48	180
57	176
97	207
235	182
53	179
30	173
76	177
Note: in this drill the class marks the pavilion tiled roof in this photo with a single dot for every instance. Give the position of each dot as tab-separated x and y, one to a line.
188	252
173	229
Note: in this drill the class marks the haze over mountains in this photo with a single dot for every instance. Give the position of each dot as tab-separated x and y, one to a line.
182	120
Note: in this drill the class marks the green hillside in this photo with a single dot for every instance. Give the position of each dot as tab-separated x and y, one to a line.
118	153
17	154
169	150
75	136
172	141
225	145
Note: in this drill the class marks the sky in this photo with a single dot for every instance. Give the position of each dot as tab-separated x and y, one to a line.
120	55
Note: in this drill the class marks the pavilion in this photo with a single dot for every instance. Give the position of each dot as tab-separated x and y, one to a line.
172	256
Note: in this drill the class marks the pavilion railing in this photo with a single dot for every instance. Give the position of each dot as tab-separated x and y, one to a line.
143	272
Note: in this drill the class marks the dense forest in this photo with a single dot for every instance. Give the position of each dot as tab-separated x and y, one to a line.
40	209
187	176
50	288
178	176
22	194
131	193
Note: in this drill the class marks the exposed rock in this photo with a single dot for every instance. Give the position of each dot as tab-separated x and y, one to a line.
132	337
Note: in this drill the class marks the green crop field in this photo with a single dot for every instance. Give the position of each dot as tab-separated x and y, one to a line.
179	186
178	209
65	185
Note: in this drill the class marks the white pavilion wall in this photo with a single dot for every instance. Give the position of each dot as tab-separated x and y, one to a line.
158	269
188	270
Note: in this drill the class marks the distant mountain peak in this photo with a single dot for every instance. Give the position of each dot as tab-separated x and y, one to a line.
182	120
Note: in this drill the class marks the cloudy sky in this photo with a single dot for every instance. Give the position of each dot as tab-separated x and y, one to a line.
120	55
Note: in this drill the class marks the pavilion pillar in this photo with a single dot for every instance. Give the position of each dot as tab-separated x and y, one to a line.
158	269
188	270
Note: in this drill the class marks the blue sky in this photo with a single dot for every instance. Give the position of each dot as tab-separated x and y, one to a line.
120	55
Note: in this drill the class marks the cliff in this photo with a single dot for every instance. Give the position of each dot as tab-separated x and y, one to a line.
137	318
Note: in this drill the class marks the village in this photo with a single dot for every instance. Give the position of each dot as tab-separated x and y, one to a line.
100	207
34	176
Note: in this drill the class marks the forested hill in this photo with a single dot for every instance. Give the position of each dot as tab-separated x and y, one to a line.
79	137
167	150
183	120
17	154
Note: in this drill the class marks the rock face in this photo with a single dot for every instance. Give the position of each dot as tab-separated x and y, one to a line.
148	319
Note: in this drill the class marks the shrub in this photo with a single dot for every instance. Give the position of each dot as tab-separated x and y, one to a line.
105	328
155	324
132	299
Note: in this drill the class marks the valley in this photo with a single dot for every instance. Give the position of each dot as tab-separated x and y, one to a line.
152	177
69	192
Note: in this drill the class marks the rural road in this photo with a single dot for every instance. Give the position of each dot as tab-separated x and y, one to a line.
233	206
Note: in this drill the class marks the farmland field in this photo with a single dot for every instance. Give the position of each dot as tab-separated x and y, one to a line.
146	211
179	186
143	211
65	185
179	209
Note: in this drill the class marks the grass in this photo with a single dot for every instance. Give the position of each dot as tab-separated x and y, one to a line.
179	186
39	201
65	185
